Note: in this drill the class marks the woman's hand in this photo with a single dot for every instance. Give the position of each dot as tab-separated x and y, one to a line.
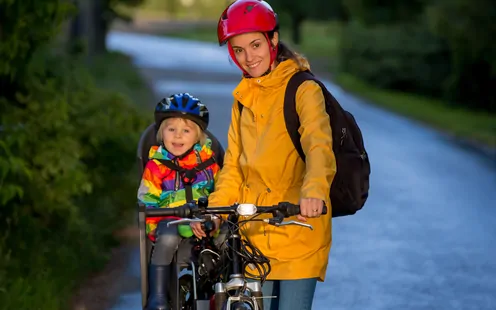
198	231
310	207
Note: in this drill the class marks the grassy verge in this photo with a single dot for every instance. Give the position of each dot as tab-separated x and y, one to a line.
321	46
42	258
462	123
197	33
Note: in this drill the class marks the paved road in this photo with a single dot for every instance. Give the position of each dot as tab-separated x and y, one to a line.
426	238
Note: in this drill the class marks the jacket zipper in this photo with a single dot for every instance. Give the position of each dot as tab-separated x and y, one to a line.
177	181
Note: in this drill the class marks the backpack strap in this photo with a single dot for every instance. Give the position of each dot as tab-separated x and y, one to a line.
291	117
188	176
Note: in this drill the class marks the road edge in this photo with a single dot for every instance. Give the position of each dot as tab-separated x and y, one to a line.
101	290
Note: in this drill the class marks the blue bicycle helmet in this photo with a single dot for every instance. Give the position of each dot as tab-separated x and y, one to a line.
182	105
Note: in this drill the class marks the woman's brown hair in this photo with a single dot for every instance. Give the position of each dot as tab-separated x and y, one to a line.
284	52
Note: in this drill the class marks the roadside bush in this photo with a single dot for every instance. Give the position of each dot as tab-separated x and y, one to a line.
67	153
403	57
469	29
443	48
67	157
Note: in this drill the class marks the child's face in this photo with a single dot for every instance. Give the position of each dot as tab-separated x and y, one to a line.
179	135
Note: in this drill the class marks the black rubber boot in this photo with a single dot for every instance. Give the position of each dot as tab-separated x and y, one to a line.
158	279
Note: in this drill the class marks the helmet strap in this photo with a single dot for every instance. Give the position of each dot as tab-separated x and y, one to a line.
233	57
273	50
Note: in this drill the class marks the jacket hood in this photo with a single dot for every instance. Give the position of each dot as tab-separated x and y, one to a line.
277	77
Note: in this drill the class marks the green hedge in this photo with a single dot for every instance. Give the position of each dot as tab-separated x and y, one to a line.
404	57
68	136
67	180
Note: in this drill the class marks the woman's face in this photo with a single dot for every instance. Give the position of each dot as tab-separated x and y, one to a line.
252	51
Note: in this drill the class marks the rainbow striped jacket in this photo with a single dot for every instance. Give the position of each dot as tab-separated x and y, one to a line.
162	187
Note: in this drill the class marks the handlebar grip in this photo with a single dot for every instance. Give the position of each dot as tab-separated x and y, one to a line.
292	210
161	212
183	211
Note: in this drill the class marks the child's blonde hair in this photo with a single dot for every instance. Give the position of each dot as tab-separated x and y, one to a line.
202	137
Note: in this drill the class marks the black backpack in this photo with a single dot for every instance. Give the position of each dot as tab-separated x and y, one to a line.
350	188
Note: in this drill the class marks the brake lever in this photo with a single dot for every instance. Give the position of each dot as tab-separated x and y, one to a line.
294	223
278	222
185	221
205	218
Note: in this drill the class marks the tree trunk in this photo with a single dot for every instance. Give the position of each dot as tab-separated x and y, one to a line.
86	17
296	23
91	26
101	21
172	7
75	32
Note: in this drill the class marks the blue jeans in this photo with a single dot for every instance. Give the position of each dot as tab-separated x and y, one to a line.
290	294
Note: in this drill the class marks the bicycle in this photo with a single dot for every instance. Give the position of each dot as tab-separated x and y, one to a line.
232	291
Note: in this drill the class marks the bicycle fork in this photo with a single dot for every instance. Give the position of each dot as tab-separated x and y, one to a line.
250	292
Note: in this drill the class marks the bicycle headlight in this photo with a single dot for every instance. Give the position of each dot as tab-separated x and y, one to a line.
246	209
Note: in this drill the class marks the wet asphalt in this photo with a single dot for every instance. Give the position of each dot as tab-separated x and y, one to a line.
426	238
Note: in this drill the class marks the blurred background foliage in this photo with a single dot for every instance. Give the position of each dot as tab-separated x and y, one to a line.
69	124
432	60
70	114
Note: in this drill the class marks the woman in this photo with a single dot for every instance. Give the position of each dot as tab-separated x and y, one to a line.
261	164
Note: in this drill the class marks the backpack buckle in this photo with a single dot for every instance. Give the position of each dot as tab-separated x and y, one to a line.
343	132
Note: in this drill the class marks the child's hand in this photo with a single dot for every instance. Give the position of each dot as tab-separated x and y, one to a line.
198	231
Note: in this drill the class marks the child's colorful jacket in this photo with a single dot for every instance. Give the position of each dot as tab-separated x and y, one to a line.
162	187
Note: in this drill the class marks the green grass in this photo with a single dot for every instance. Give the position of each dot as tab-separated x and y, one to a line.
197	33
462	123
321	44
173	9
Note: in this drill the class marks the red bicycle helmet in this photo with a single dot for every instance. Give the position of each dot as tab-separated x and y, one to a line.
243	16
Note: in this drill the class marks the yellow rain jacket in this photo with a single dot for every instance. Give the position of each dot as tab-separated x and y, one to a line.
262	166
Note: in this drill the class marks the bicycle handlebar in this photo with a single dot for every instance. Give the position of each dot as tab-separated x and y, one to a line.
198	211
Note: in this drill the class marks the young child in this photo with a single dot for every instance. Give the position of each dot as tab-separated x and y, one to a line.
169	182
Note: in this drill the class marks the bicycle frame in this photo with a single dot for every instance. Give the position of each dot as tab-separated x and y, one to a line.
246	291
144	252
237	279
145	249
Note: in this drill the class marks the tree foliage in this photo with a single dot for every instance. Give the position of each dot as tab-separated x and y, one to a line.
469	28
67	152
293	13
372	12
93	22
391	57
25	25
455	57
